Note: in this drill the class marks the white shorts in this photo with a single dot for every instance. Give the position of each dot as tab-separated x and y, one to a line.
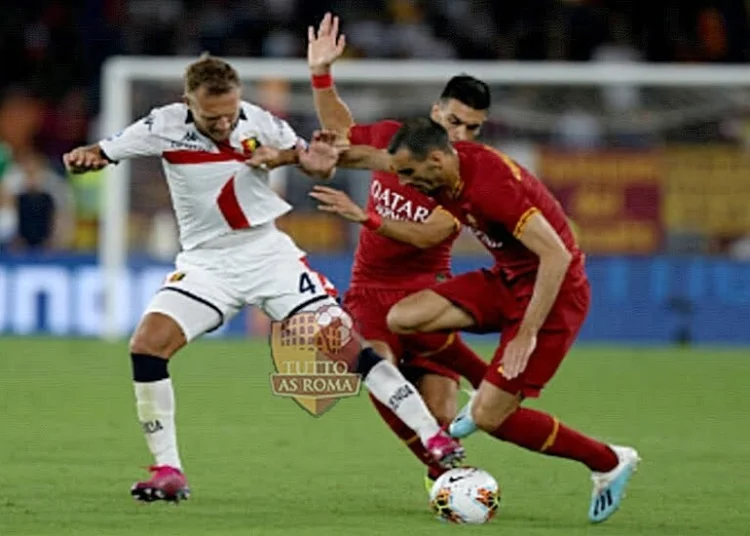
262	267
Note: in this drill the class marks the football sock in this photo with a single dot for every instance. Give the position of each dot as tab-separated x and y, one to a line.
410	439
386	383
156	407
457	356
543	433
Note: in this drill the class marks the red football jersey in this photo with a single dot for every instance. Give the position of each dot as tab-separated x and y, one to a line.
380	261
495	199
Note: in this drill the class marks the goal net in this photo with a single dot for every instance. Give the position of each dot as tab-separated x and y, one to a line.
645	158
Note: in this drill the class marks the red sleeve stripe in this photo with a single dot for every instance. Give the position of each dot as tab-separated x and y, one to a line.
523	220
456	223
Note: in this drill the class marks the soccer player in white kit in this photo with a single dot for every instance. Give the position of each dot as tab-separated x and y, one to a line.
232	254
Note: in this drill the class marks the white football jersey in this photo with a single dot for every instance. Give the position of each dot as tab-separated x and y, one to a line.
214	193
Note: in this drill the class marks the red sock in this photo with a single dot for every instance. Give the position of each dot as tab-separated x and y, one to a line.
408	436
543	433
459	357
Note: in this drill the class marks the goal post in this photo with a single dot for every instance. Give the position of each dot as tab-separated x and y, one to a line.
120	74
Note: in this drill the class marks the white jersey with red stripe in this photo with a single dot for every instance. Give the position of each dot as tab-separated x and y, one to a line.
214	193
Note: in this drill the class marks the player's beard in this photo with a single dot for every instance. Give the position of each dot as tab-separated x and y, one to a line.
425	187
220	137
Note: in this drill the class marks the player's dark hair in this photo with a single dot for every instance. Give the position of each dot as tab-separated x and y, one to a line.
420	136
214	74
467	90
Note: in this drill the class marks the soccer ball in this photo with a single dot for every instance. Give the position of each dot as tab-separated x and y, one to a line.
335	328
465	495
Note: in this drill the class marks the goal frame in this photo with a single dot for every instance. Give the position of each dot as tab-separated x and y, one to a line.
119	72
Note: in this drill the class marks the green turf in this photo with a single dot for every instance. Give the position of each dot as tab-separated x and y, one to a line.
70	448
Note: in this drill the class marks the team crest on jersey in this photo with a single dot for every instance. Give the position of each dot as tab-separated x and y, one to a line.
249	145
174	277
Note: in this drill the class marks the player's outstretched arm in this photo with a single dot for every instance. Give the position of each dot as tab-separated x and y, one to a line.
439	226
141	138
318	160
323	49
84	159
365	157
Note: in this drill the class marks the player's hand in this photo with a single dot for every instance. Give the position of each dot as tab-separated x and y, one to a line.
331	137
517	354
84	159
320	158
265	158
337	202
325	47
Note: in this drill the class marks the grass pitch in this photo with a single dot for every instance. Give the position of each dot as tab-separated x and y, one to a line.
70	447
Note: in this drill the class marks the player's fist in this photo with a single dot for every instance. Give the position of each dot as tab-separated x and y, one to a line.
326	46
83	159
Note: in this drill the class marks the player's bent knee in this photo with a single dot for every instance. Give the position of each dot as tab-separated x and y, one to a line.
426	311
157	335
406	316
489	417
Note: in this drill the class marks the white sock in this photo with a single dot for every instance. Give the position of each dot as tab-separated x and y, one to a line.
155	404
388	385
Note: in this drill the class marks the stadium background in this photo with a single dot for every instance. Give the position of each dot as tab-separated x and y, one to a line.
656	180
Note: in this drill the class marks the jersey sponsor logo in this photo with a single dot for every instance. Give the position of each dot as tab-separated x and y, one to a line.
390	204
483	237
307	370
190	141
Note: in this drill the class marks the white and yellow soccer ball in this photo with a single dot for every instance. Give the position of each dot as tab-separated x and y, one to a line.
465	495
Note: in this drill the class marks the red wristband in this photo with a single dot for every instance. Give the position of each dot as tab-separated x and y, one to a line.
322	81
373	221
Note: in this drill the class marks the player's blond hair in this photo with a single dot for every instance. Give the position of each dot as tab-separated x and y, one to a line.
213	74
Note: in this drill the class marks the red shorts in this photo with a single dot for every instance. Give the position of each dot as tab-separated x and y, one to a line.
369	307
497	306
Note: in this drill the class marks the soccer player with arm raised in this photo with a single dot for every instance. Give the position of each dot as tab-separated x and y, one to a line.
386	270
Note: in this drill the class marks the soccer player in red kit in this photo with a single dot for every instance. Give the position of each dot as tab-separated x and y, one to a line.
385	270
537	293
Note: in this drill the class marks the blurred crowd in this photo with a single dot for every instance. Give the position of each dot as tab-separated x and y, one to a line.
53	52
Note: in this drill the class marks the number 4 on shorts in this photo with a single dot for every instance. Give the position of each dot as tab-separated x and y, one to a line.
306	284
